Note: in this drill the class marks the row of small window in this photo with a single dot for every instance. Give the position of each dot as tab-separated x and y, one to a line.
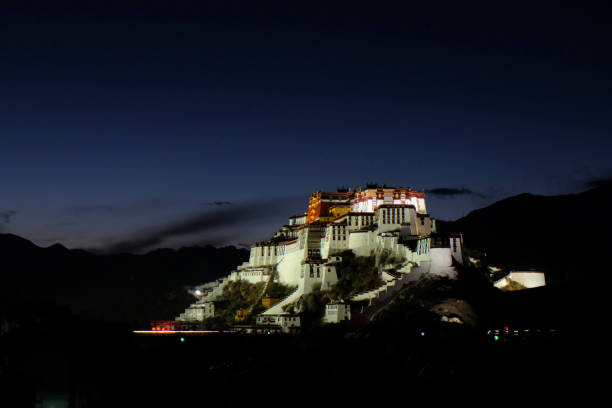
277	251
312	274
423	247
365	220
338	233
393	216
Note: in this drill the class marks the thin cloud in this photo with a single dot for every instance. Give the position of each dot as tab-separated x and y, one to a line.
215	240
219	217
587	178
450	192
5	218
598	182
119	208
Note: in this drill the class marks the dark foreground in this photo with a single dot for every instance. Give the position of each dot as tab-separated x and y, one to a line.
109	366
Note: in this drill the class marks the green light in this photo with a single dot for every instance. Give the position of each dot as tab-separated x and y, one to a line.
496	337
182	339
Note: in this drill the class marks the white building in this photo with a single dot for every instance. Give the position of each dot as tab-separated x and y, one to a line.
197	312
527	279
304	253
286	322
336	312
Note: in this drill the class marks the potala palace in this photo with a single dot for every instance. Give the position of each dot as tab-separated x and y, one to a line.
305	253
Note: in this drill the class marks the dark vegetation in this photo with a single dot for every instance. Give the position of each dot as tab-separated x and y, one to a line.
570	309
412	306
356	274
312	308
242	295
237	295
279	291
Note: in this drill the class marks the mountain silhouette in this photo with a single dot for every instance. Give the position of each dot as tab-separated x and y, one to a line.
116	288
566	236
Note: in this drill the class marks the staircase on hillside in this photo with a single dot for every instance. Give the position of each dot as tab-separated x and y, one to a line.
315	232
290	298
379	298
393	273
211	295
263	292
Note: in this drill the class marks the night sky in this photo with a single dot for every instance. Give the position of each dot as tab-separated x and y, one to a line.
119	122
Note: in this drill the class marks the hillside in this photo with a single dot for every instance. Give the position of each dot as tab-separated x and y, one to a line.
566	236
115	288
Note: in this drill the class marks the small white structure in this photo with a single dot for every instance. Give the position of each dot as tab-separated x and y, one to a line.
336	312
197	312
528	279
285	321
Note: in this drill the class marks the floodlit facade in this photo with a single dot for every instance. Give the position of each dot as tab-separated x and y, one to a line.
336	312
526	279
285	322
306	251
198	312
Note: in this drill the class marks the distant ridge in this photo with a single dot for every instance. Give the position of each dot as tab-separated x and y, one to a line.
117	288
11	243
565	235
57	247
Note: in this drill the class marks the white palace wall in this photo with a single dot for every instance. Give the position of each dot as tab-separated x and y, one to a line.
362	242
289	263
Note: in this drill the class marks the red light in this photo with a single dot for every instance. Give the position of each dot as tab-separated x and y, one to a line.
506	328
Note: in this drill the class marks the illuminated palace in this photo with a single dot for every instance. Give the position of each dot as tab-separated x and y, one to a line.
304	253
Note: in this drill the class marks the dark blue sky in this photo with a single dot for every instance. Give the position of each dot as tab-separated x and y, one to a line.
118	121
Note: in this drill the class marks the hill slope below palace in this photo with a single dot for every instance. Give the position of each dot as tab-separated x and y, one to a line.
114	288
567	236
